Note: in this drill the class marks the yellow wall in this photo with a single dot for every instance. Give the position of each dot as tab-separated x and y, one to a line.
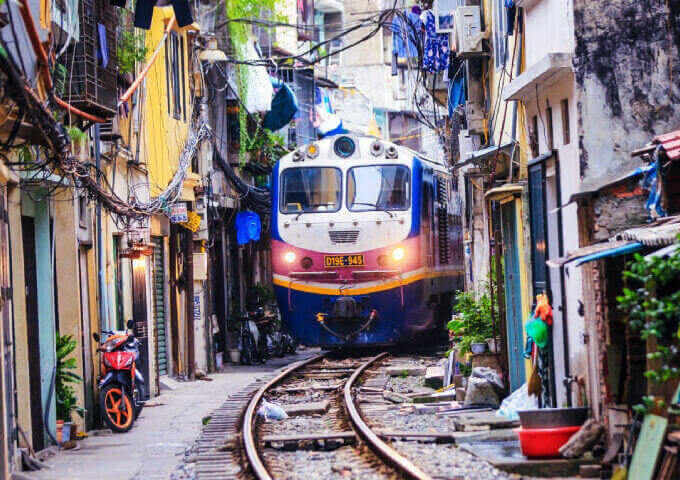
164	136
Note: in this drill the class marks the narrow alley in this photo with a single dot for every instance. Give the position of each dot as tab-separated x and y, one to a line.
339	239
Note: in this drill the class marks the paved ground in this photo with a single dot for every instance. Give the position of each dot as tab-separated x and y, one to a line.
155	445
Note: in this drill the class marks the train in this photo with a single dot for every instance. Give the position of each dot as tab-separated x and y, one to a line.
366	242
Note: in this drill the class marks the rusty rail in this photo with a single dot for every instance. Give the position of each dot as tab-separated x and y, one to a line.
380	448
252	454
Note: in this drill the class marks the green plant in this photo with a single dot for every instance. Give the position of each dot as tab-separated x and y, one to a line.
650	300
474	322
263	293
239	33
76	134
65	394
130	49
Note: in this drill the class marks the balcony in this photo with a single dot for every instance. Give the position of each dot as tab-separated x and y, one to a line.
92	86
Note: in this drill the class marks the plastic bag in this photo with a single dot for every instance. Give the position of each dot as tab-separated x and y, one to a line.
516	401
271	411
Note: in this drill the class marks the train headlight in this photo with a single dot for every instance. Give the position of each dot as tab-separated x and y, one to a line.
398	254
289	257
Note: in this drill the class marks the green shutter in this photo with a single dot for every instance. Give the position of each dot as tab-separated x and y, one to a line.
159	306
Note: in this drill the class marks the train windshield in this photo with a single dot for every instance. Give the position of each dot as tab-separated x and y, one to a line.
311	189
378	187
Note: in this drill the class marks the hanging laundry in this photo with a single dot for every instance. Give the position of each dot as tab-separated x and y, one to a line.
405	32
325	121
457	94
248	227
103	50
144	12
284	107
436	49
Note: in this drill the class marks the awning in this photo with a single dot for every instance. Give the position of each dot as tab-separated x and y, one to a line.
603	249
502	192
670	144
662	232
479	156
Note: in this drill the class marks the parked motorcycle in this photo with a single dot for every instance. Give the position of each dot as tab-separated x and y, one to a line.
253	343
121	385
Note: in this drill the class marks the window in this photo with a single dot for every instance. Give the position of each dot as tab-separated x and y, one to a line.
174	70
311	189
378	187
533	136
500	33
551	131
566	136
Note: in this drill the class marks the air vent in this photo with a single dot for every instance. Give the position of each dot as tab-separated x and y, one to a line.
343	236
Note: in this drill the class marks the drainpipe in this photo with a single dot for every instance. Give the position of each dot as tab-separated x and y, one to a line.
189	303
563	293
103	301
518	68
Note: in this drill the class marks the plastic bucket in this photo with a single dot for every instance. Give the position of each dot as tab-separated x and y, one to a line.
544	442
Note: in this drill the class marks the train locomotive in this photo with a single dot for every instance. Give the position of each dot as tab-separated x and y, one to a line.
366	242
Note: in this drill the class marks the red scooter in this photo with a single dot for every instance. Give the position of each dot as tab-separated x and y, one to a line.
120	382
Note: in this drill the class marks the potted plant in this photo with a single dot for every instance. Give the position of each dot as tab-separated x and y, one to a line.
66	399
473	319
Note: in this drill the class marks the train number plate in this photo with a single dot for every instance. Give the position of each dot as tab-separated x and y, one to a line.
343	261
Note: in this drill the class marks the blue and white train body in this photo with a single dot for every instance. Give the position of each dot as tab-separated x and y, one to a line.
366	242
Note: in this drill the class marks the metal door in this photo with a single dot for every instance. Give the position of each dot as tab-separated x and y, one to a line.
159	306
513	295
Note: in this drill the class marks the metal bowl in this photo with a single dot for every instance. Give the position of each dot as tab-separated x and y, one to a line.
553	417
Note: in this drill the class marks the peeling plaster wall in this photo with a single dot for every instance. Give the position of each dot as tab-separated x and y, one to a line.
627	71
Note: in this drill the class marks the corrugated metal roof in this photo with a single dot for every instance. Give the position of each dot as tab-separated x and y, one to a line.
671	144
660	233
657	234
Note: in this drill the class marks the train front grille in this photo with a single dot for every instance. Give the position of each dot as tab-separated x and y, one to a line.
343	236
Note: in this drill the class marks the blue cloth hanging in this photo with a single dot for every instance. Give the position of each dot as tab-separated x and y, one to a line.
436	54
284	107
248	227
456	93
103	50
404	33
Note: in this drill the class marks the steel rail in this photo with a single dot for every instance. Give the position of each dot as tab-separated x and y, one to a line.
252	454
380	448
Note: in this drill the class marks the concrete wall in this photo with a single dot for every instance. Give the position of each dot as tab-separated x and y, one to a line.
549	27
627	69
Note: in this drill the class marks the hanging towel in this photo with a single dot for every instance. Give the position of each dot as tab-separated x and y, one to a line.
248	227
144	12
284	108
103	50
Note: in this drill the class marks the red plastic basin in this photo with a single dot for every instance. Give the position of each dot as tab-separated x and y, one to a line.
544	442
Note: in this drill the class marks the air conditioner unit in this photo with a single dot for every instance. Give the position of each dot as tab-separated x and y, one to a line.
467	31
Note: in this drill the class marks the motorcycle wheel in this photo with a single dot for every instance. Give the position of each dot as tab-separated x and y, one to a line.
112	398
246	350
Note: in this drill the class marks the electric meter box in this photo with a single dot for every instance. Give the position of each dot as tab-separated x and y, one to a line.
467	31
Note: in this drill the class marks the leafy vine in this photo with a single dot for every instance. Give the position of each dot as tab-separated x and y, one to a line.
650	300
239	34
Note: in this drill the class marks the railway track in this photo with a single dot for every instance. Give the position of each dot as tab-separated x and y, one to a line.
339	439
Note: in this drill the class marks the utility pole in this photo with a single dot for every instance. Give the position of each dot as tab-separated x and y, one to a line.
189	293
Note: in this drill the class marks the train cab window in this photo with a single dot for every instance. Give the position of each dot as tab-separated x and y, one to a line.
379	187
311	189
